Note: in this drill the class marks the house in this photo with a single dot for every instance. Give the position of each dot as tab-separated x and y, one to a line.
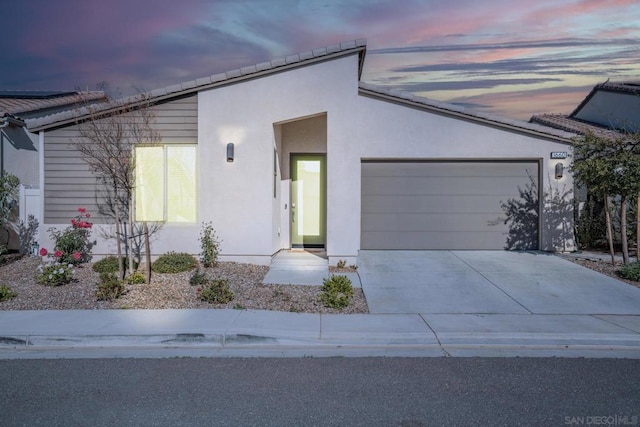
18	147
299	153
609	110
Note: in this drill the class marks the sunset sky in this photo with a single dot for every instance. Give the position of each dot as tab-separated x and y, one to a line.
505	57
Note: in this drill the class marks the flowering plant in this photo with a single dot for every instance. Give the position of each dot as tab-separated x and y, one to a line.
73	245
54	273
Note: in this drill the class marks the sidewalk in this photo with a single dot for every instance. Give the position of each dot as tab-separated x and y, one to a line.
560	332
248	333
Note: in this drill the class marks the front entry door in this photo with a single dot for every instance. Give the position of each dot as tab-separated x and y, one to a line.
308	200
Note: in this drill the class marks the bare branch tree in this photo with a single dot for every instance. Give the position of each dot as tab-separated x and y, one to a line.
109	133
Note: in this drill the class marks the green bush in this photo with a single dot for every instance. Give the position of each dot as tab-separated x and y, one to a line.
336	292
109	264
109	288
210	245
174	262
54	273
136	278
630	271
198	278
217	292
6	293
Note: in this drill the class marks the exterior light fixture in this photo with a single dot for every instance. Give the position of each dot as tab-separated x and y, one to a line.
559	170
230	152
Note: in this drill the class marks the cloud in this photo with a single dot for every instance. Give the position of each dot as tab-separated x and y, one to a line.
460	85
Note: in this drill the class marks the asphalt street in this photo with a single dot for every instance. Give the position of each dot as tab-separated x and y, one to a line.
407	392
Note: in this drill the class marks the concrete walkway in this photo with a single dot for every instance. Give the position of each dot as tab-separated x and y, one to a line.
523	320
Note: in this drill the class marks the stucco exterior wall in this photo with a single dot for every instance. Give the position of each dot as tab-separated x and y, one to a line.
238	197
391	131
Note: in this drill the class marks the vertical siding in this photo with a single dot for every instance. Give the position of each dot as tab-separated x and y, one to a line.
68	182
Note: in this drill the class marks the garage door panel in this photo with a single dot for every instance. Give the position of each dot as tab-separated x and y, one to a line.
445	205
434	204
437	240
444	169
502	186
434	222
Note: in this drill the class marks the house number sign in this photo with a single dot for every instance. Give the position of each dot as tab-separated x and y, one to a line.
558	154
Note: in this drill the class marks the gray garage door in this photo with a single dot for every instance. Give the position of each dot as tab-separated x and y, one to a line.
450	205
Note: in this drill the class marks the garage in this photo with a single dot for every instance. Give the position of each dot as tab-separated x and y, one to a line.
450	205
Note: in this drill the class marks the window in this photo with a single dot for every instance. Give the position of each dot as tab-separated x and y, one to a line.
166	183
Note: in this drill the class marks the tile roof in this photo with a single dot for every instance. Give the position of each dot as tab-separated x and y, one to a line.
233	76
20	102
539	129
570	124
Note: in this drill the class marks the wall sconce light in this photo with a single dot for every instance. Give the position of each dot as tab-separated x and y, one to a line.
230	152
559	170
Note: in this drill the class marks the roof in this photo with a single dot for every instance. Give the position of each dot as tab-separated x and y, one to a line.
627	88
230	77
24	103
453	110
570	124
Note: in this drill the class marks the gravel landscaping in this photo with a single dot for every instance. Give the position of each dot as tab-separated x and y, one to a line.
166	291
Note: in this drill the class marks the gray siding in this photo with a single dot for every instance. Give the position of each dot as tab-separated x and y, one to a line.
447	205
69	183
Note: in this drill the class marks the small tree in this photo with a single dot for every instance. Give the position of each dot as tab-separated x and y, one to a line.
610	167
109	134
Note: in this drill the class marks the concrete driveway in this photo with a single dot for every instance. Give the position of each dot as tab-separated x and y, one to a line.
489	282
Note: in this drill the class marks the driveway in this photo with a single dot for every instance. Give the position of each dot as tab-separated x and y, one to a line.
491	282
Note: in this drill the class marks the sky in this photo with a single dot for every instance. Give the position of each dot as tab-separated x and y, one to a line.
510	58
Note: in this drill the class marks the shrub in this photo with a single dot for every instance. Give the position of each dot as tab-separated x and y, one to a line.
630	271
336	292
136	278
210	245
54	273
198	278
73	243
109	264
109	288
6	293
342	263
217	292
174	262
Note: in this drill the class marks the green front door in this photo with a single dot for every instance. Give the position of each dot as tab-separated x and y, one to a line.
308	201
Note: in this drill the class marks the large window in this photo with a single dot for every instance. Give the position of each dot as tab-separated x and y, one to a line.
166	183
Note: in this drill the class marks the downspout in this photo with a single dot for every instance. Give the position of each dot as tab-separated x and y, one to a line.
3	125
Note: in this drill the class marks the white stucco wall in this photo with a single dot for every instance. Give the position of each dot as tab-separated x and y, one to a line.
238	197
390	131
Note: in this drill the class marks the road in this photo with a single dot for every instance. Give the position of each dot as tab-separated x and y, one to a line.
407	392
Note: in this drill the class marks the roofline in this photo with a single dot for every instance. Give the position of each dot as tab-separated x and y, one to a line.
451	110
10	119
182	90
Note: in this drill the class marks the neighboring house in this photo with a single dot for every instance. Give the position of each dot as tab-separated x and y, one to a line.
19	154
297	152
20	157
609	110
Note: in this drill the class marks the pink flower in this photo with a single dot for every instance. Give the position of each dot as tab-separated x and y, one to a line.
73	222
82	210
89	224
88	215
82	224
57	253
76	255
43	252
